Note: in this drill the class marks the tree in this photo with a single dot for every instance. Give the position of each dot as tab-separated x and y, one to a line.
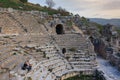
63	11
60	9
50	3
24	1
37	5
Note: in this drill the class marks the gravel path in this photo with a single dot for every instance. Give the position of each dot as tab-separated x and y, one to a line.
110	72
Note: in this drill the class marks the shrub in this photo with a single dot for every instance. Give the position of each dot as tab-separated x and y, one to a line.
28	78
6	36
118	54
72	49
24	1
14	53
44	55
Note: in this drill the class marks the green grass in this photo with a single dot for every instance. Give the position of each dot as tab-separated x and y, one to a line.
72	49
118	30
100	27
14	53
85	21
69	23
16	4
82	77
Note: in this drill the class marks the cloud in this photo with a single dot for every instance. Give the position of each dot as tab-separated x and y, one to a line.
79	4
89	8
111	5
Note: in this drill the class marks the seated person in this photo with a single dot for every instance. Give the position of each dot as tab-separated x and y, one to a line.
26	64
29	67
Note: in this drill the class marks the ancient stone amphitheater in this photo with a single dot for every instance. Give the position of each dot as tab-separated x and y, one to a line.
31	35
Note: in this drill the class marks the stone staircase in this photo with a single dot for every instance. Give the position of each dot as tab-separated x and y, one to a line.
12	28
56	63
52	67
81	61
70	40
76	41
30	23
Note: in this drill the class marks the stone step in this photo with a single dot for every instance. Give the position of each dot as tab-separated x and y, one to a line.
3	56
11	62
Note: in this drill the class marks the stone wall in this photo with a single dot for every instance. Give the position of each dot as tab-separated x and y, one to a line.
115	60
68	75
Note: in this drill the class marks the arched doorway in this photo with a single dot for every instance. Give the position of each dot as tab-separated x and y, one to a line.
0	29
59	29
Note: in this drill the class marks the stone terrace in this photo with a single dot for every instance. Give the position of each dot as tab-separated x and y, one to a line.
81	61
73	41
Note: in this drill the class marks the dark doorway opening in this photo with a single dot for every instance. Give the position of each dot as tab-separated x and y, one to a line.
0	29
59	29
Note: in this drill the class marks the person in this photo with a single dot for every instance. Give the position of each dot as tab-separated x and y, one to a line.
26	64
29	67
63	50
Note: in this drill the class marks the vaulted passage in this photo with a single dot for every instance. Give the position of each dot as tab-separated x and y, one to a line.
59	29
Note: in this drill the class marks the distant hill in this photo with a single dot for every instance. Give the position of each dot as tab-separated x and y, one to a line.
115	22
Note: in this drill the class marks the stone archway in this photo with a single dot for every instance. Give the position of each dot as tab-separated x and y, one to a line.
59	29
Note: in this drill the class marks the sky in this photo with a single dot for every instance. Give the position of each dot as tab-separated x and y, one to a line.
88	8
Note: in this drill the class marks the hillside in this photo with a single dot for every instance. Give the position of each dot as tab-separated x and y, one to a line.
115	22
17	4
